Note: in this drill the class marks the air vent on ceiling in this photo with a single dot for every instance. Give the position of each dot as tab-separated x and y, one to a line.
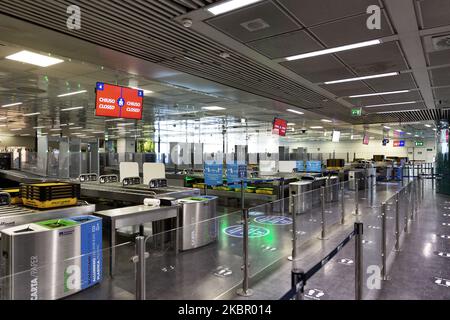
441	42
255	25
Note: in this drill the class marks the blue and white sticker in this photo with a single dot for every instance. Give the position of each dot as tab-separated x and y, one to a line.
274	220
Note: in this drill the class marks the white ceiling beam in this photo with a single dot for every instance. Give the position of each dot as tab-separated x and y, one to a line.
403	17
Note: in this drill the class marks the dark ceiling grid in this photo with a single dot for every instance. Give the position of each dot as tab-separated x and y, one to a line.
297	92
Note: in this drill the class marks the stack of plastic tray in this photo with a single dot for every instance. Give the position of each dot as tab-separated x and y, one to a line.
15	195
50	195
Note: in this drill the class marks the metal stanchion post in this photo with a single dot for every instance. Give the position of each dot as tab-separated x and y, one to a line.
245	291
298	280
242	195
322	222
397	222
342	203
432	178
413	201
357	197
139	260
282	195
294	227
383	241
359	229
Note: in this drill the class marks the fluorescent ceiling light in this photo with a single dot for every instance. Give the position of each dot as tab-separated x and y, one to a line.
71	93
31	114
115	119
126	124
326	120
73	108
75	128
390	104
390	74
2	125
38	128
55	129
379	94
230	6
316	127
428	126
98	132
409	133
434	129
291	124
334	50
398	111
3	118
213	108
145	91
25	135
16	129
295	111
11	105
34	58
398	130
386	127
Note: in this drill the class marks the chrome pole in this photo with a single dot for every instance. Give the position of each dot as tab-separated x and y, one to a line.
383	241
342	203
245	291
357	197
294	227
322	222
397	222
139	259
359	230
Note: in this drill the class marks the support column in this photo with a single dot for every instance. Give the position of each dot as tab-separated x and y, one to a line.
442	157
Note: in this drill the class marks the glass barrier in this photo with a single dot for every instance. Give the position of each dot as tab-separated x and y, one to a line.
81	277
208	262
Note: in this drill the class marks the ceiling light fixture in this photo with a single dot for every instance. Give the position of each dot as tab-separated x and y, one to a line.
31	114
390	104
16	129
428	126
213	108
334	50
295	111
326	120
71	93
390	74
379	94
126	124
55	129
230	6
397	111
73	108
25	135
386	127
12	105
34	58
316	127
291	124
75	128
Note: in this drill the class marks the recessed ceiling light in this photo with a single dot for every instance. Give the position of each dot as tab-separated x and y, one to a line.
11	105
409	133
243	121
295	111
386	127
56	129
379	94
434	129
326	120
16	129
316	127
391	104
334	50
34	58
397	111
3	118
115	119
390	74
71	93
230	6
125	124
31	114
38	128
291	124
73	108
98	132
428	126
213	108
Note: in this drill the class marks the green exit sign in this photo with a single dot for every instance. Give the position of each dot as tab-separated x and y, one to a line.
356	112
419	144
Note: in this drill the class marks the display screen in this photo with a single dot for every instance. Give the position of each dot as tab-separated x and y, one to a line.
279	127
366	139
399	143
336	136
118	102
314	166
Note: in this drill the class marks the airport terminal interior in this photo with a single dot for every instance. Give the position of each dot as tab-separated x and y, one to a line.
224	150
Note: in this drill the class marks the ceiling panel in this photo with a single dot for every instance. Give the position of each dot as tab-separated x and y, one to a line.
438	58
402	97
312	12
319	69
434	13
365	101
382	58
440	77
286	45
337	33
401	82
264	18
443	94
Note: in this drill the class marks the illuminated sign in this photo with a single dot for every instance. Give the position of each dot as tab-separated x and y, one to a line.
419	143
118	102
356	112
399	143
366	139
279	127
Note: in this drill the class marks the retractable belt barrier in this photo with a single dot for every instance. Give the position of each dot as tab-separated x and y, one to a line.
299	278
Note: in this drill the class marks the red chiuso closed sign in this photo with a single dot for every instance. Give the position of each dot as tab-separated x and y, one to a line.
118	102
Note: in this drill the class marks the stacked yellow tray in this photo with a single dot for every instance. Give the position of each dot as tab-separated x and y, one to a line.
15	195
50	195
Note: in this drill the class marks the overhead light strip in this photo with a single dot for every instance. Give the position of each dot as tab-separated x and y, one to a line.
295	111
71	93
391	104
375	76
379	94
398	111
11	105
230	6
31	114
34	59
334	50
71	109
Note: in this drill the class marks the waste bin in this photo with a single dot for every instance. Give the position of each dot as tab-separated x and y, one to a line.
302	191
